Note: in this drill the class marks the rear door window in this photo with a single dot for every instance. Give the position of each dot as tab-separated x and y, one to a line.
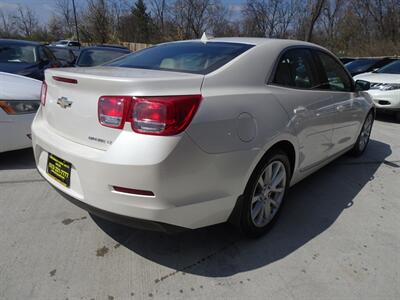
296	69
334	76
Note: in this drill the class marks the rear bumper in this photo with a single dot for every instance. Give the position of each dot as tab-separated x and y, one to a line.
192	188
124	220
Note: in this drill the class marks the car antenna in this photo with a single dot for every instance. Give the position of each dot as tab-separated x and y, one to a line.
205	38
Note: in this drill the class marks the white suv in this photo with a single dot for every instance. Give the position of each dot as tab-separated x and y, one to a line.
385	87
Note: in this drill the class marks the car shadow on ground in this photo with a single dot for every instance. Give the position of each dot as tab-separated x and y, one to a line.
386	117
19	159
312	206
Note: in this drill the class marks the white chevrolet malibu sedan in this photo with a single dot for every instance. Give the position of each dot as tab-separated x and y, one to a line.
19	101
193	133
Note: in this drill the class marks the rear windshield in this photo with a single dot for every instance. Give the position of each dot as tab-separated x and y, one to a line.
95	57
189	57
393	68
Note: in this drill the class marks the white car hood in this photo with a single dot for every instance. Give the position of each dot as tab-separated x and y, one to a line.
379	77
16	87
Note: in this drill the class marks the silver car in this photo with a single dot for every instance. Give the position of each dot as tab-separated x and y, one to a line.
193	133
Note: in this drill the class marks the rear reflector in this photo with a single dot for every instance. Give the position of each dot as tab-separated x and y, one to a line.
43	93
133	191
112	110
66	80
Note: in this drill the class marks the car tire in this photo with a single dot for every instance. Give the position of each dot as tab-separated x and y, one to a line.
363	138
265	192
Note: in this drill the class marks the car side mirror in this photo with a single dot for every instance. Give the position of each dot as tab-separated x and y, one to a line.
362	85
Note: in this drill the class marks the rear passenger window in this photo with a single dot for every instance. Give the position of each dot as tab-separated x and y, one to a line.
335	77
295	69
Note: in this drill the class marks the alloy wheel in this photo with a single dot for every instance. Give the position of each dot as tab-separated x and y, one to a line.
366	132
268	193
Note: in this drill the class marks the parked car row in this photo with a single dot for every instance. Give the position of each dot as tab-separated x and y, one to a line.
31	59
22	67
19	101
383	77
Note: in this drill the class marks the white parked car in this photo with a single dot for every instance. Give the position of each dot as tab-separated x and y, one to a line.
19	101
195	133
385	87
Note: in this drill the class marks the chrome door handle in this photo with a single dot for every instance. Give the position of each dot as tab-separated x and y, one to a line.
340	108
300	110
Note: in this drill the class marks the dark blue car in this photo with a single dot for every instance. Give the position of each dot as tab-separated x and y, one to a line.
26	58
98	55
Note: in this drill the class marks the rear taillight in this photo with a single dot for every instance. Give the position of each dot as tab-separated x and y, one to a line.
43	93
161	115
112	110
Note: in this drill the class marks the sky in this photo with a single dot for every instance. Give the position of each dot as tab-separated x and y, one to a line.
44	8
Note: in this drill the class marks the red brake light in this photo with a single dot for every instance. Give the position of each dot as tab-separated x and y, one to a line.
64	79
43	93
160	115
112	110
167	115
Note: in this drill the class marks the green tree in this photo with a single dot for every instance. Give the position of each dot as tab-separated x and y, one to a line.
142	22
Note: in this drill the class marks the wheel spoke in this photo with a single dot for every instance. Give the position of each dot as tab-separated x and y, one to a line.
257	209
275	173
274	203
261	181
260	214
277	189
268	174
256	198
278	179
267	210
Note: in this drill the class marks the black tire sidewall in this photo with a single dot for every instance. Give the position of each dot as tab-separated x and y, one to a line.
247	225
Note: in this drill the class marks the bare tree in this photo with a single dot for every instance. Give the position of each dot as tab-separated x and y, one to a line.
96	25
315	7
26	21
331	16
191	17
269	18
63	8
6	25
160	9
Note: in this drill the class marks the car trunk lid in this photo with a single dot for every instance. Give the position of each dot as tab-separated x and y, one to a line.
73	95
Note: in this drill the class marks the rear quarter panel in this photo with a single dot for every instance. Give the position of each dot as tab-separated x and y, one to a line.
239	112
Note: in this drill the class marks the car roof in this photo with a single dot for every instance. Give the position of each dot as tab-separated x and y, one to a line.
256	41
18	42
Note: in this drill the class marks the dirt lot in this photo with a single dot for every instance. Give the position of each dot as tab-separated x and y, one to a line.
338	237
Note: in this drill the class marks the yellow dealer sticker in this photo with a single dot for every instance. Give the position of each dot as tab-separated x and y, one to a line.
59	169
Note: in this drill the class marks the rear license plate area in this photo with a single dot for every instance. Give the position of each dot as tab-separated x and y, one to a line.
59	170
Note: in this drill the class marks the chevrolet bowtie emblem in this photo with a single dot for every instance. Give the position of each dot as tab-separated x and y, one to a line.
64	102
